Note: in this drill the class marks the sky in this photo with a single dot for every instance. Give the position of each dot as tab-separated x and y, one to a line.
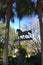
27	20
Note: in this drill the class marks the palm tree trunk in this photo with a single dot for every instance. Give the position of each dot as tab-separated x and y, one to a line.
41	34
5	50
41	28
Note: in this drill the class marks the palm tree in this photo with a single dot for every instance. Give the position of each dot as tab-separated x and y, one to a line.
6	12
24	8
39	9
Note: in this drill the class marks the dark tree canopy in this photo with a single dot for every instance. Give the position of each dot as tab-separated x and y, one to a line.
22	7
3	10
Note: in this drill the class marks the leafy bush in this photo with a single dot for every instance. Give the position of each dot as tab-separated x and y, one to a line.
9	52
12	61
1	49
23	50
34	60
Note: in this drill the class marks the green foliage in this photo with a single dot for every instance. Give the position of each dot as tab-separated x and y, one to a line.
33	60
9	52
12	61
33	53
12	37
0	53
2	2
30	63
23	50
1	49
12	34
22	55
1	45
